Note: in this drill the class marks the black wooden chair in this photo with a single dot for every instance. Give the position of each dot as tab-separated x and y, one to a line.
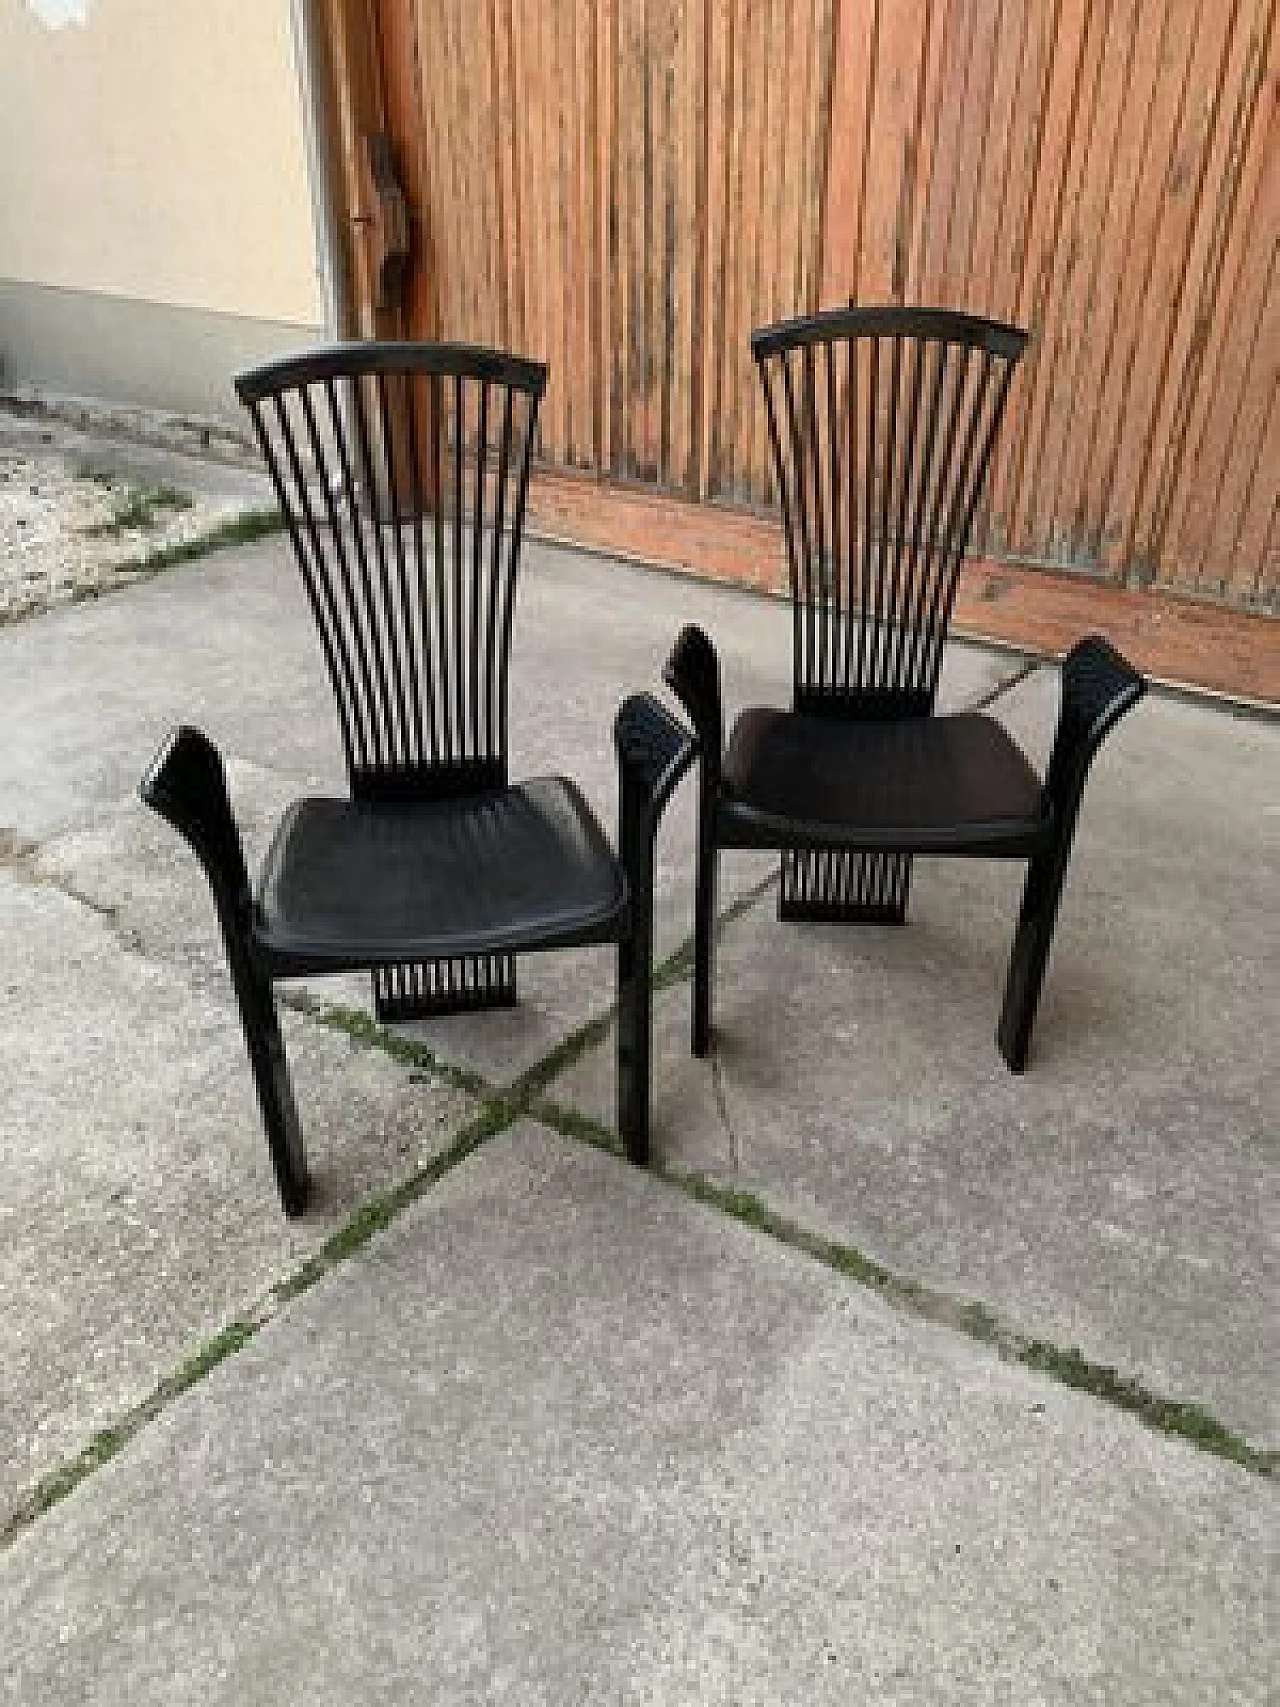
882	423
402	471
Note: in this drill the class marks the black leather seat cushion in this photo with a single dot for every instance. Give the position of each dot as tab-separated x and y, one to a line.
349	884
955	784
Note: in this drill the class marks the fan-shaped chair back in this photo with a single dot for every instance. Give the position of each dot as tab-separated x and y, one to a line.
882	423
402	471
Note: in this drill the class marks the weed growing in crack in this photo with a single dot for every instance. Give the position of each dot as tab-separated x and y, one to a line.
243	529
138	510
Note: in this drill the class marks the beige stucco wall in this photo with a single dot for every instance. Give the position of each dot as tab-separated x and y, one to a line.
155	152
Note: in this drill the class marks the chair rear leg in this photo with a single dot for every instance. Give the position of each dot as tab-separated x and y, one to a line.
1030	957
424	989
837	886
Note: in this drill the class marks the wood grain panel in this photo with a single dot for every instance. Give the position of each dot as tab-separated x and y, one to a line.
1063	42
627	188
1230	469
1174	640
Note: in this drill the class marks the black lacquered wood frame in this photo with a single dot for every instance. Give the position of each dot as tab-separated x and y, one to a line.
883	423
402	470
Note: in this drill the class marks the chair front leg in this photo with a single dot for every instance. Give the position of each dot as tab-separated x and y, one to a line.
693	674
635	1015
704	925
260	1021
1031	943
187	786
654	752
1098	688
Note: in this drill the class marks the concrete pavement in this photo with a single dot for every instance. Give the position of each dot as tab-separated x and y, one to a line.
1121	1196
559	1433
562	1435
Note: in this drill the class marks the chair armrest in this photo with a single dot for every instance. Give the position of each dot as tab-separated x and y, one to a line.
187	785
1098	687
654	752
693	675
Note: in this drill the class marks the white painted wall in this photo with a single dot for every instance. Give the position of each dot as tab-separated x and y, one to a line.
56	13
153	149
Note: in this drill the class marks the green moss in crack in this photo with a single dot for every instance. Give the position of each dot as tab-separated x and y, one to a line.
138	509
243	529
229	1340
366	1033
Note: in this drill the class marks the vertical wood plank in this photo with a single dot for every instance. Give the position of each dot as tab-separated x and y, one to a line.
1147	166
891	182
585	259
560	211
459	265
938	151
820	155
853	53
937	79
618	226
1227	109
632	106
627	187
352	40
1211	443
714	197
602	143
1162	349
1229	473
1022	205
482	175
1000	230
551	192
502	96
690	228
651	242
579	141
1061	293
401	101
727	265
783	74
739	240
1093	243
1065	47
1266	586
971	157
1251	472
1250	581
768	75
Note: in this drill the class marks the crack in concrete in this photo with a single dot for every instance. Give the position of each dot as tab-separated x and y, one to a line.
986	700
352	1236
17	854
21	858
970	1318
499	1108
722	1108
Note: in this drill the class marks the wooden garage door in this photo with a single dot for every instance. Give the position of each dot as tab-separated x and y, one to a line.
626	187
